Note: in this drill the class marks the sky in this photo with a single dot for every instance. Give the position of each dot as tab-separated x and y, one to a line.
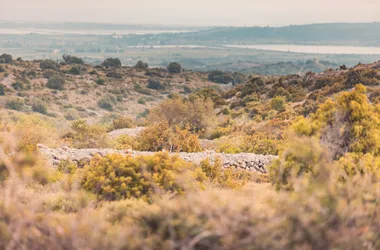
193	12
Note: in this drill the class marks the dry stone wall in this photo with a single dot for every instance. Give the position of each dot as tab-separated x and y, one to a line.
246	161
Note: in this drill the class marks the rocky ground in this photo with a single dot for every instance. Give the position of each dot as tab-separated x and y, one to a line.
246	161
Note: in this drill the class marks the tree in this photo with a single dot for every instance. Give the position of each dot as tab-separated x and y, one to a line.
72	59
174	68
112	62
141	65
5	58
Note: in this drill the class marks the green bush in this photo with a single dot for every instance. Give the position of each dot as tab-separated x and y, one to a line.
49	64
107	102
72	59
155	84
17	85
174	68
32	74
220	77
5	58
56	82
114	75
141	65
2	90
112	62
15	103
74	71
39	107
100	81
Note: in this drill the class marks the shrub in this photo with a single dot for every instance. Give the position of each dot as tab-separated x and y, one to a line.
17	85
348	129
2	90
126	142
72	59
49	73
278	103
197	113
74	71
123	122
302	157
30	130
87	136
155	84
39	107
160	136
100	81
348	124
32	74
49	64
15	103
56	82
5	58
71	114
220	77
262	143
141	65
174	68
112	62
2	69
107	102
117	177
186	90
225	178
114	75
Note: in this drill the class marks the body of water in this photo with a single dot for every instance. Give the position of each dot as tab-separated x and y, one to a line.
86	32
311	49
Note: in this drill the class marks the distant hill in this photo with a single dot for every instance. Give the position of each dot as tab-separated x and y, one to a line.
364	34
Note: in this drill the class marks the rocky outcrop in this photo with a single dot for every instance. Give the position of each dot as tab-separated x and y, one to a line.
246	161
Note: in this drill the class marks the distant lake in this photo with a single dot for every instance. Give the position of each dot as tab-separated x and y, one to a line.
314	49
86	32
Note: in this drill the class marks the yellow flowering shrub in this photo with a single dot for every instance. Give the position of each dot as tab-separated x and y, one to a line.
117	177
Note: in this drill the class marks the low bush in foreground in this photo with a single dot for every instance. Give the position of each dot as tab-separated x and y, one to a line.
117	177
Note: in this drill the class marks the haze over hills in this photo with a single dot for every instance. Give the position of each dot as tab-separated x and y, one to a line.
198	48
364	34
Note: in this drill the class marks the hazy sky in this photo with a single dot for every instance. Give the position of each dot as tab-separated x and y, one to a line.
193	12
